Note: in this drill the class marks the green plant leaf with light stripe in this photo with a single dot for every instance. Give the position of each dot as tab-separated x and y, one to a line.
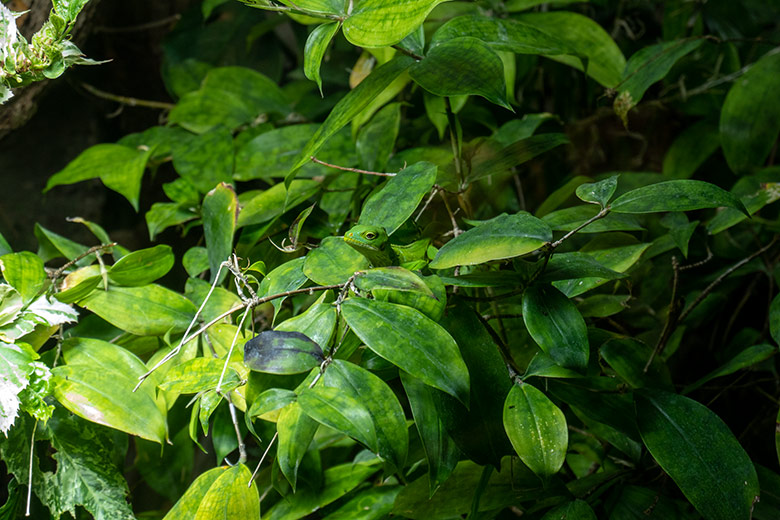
696	448
316	45
378	23
445	73
536	428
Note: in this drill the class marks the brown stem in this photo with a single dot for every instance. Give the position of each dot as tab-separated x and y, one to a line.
353	170
56	274
601	214
129	101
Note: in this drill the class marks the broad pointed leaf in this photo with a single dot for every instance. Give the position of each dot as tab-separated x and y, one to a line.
411	341
678	195
219	213
280	352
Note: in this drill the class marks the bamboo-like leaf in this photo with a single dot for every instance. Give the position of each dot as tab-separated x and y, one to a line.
316	45
142	267
750	118
219	213
391	206
502	34
605	61
645	67
443	71
24	272
218	494
350	106
537	429
678	195
556	325
150	310
97	382
696	448
411	341
505	236
378	23
333	262
296	430
281	352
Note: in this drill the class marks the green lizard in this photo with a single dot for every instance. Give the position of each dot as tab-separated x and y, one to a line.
374	244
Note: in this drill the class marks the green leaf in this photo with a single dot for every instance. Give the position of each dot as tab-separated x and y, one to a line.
119	167
377	23
287	277
605	61
341	411
228	97
270	400
569	219
505	236
392	278
195	261
281	352
598	192
375	140
373	395
163	215
373	503
477	431
351	105
774	319
750	118
269	204
677	195
444	73
150	310
391	206
197	375
24	272
316	45
575	510
628	358
502	34
142	267
296	430
333	262
537	429
645	67
441	452
86	474
318	322
619	259
700	453
97	382
219	214
491	160
218	494
556	326
205	160
748	357
568	266
411	341
690	149
337	482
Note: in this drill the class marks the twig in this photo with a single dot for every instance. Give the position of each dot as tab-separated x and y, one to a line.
56	274
251	303
234	418
129	101
140	27
434	190
454	142
672	317
353	170
723	276
601	214
408	52
455	229
30	473
265	453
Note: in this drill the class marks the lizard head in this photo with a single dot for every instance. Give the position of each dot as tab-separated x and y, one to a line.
361	236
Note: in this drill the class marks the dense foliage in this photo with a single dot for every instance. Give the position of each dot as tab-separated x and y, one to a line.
419	259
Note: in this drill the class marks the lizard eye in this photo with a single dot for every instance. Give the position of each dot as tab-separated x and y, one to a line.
370	235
